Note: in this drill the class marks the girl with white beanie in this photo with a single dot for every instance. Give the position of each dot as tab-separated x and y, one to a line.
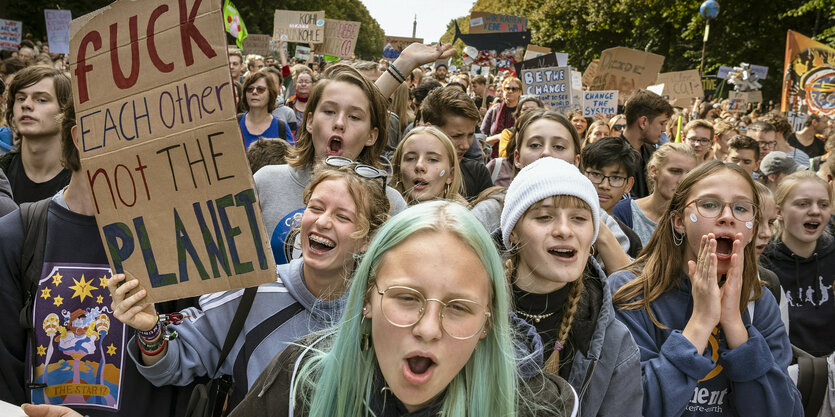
549	223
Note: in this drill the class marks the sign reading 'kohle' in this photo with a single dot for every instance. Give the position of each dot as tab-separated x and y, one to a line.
162	151
299	26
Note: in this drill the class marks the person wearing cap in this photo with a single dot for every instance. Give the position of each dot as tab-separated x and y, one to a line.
775	166
549	223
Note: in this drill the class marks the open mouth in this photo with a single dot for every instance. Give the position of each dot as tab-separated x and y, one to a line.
418	369
811	227
724	246
563	253
335	146
420	184
320	244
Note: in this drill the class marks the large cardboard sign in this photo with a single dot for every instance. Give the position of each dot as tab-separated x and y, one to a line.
162	151
340	38
257	44
589	73
533	51
553	59
296	26
394	45
681	87
58	30
10	34
483	22
600	102
551	84
626	70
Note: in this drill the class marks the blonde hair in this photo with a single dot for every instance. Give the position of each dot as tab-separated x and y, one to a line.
781	194
455	190
661	157
552	364
400	105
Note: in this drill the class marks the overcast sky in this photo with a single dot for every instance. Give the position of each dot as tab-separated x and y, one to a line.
396	17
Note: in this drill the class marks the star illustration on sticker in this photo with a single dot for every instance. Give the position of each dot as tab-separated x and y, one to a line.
111	350
103	281
56	279
45	293
99	299
41	350
58	300
82	289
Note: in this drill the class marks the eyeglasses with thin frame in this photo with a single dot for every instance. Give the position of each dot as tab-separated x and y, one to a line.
696	139
365	171
614	180
711	208
404	307
258	88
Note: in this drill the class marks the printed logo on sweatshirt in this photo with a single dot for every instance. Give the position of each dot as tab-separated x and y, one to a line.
811	295
710	394
285	240
79	346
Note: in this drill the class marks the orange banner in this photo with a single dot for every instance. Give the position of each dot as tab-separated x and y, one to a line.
808	76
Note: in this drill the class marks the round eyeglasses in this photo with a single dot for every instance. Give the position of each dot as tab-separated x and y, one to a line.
404	307
712	208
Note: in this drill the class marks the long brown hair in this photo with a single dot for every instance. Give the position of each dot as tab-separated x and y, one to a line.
303	154
533	115
658	267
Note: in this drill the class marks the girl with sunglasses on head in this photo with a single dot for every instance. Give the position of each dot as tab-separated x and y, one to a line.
410	343
343	210
425	167
549	224
345	116
260	92
711	340
802	256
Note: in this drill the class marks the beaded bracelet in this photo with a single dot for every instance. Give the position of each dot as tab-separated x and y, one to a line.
393	67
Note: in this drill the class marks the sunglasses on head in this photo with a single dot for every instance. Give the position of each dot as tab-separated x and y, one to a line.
365	171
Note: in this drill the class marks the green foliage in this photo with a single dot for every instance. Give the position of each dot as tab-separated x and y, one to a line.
744	31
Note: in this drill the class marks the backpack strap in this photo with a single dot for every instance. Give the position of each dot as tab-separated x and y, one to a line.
34	218
812	380
497	167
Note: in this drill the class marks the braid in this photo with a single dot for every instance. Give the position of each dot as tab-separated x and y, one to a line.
552	365
510	268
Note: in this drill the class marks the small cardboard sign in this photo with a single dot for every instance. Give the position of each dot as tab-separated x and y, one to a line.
10	34
394	45
534	51
483	22
709	85
340	38
299	26
554	59
600	102
746	96
162	152
302	52
58	30
626	70
576	80
257	44
681	87
551	84
591	70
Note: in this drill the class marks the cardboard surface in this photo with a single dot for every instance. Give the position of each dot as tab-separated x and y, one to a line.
553	59
10	34
302	52
600	102
746	96
394	45
626	70
483	22
58	30
591	70
340	38
257	44
162	151
681	87
533	51
299	26
551	84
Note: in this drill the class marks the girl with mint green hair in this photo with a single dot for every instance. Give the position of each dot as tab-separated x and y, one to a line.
426	331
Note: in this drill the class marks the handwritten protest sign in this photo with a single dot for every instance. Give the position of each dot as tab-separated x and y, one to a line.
257	44
709	84
161	149
10	33
296	26
600	102
340	38
533	51
746	96
483	22
552	85
58	30
626	70
553	59
681	87
302	52
394	45
591	70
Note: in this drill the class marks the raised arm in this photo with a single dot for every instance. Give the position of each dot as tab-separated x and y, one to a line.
412	57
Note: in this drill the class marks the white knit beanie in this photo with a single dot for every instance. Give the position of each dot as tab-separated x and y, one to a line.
544	178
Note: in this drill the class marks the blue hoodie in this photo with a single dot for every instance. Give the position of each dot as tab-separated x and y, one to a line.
749	380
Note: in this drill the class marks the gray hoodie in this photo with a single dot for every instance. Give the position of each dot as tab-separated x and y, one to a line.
7	204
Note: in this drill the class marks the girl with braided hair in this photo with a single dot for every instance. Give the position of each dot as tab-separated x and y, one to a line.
549	222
